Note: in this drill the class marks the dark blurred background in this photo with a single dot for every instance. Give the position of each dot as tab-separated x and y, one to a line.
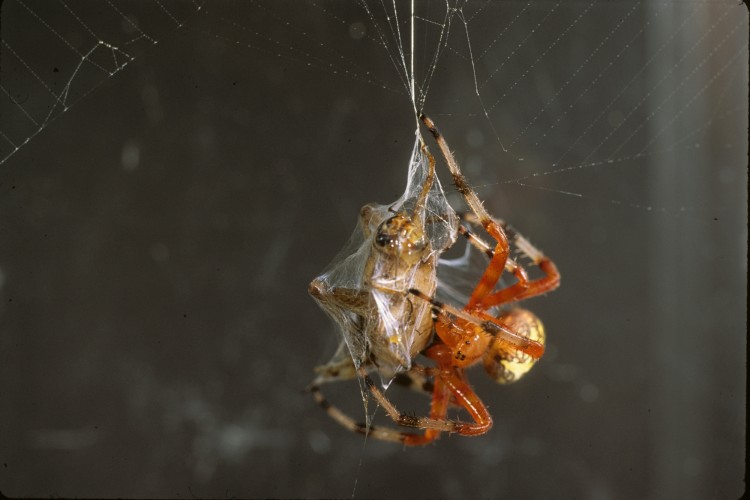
157	239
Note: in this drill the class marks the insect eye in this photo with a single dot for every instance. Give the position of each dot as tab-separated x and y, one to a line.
383	240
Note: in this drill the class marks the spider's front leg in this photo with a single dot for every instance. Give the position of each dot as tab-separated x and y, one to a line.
523	288
483	296
551	278
499	261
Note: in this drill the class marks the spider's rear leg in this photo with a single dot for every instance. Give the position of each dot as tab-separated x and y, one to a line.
450	388
438	424
416	379
377	432
451	381
338	371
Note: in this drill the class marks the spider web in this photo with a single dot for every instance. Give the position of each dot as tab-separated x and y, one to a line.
91	46
611	133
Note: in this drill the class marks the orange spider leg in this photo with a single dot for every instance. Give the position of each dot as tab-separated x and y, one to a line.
546	283
549	282
451	388
499	261
463	395
524	288
497	264
441	398
521	291
468	399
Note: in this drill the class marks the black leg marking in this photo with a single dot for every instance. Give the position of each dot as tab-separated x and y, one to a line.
439	305
476	241
409	420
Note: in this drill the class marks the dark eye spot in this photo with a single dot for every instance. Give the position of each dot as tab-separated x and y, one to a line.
383	239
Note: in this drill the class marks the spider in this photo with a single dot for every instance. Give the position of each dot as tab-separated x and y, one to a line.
508	345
